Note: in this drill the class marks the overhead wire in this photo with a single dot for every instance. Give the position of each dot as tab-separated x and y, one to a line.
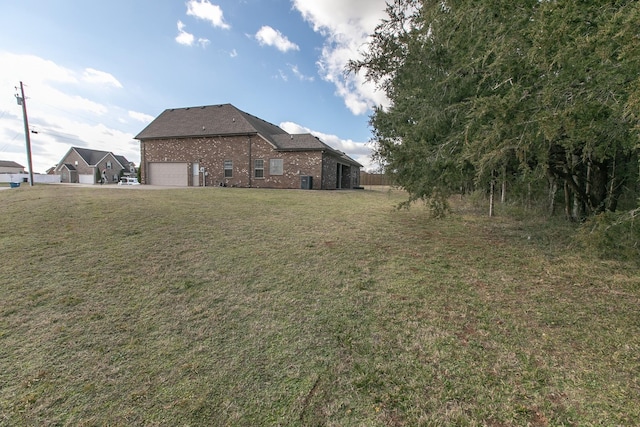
46	130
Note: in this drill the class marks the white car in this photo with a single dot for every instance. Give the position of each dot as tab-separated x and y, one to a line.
128	180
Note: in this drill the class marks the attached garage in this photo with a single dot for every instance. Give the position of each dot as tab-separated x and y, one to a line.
220	145
168	174
87	179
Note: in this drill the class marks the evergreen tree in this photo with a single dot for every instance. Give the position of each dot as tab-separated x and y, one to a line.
535	92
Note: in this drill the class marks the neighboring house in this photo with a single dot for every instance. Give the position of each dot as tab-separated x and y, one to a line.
220	145
86	166
8	166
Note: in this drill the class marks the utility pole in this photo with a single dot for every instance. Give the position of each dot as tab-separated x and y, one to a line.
23	101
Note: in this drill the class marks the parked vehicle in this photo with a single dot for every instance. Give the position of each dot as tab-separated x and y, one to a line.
128	180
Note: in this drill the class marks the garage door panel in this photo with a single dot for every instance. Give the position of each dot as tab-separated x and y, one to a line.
86	179
169	174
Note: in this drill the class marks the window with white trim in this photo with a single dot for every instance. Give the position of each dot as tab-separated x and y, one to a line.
258	168
228	168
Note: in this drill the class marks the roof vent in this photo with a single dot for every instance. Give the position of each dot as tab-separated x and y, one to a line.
292	137
234	119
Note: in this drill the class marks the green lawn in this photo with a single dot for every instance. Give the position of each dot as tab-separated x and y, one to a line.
224	306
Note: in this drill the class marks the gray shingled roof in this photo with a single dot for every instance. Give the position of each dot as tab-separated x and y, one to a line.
210	120
308	142
92	157
299	142
123	160
10	164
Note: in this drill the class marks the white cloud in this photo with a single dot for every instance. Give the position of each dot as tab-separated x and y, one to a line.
33	69
141	117
59	110
358	151
203	9
188	39
346	27
282	75
40	77
91	75
351	18
296	72
203	42
271	37
233	53
77	102
183	37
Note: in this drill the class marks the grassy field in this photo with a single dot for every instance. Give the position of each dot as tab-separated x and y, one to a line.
304	308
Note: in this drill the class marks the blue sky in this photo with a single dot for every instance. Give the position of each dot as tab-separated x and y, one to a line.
96	72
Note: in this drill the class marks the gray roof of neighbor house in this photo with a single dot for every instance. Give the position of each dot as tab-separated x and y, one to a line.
123	160
10	164
92	157
226	119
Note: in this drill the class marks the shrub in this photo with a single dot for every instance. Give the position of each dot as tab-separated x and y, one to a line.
612	235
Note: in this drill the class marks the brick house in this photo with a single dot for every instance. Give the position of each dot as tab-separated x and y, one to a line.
86	166
220	145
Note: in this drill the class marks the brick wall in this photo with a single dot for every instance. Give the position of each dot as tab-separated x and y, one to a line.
211	152
113	173
72	176
350	175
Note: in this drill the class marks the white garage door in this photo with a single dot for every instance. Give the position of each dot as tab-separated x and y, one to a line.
86	179
173	174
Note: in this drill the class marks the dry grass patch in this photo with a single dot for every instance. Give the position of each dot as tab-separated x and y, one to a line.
256	307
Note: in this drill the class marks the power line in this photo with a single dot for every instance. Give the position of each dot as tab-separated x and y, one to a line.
58	135
69	112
